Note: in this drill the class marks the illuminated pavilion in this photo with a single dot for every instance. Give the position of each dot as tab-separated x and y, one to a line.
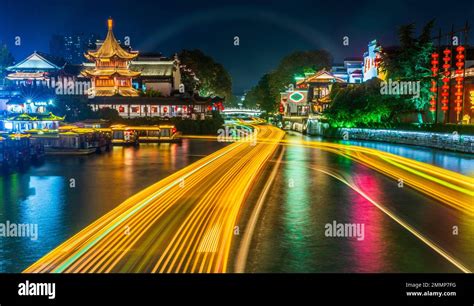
310	95
111	74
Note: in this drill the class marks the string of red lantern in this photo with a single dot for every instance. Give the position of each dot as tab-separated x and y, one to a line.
446	73
281	109
459	79
434	87
218	106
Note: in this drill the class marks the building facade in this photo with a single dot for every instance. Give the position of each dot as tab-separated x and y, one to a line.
351	71
72	47
311	94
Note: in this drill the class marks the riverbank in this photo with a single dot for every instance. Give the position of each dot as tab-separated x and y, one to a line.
454	141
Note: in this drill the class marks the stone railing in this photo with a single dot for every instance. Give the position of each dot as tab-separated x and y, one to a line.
447	141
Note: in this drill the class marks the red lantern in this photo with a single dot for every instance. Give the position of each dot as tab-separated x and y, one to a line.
165	109
459	80
447	74
434	88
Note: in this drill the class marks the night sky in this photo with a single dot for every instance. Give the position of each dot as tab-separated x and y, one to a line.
268	30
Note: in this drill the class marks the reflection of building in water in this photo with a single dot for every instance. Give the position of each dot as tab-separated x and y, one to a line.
310	95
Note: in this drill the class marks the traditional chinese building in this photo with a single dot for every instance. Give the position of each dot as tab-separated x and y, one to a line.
310	95
24	122
36	69
146	85
111	74
157	73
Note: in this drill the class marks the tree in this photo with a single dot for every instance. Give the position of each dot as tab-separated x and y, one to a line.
108	114
6	59
358	105
261	95
298	63
213	79
411	62
266	93
233	101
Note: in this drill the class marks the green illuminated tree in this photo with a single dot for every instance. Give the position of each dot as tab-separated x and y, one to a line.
266	93
358	105
411	62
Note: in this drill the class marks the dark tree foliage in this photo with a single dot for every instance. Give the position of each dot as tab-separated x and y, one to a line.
6	59
213	79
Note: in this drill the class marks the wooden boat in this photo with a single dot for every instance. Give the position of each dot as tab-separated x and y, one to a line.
74	141
123	135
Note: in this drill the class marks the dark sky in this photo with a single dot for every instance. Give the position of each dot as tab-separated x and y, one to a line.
268	30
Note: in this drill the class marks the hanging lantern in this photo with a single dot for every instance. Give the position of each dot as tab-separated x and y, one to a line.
165	109
434	87
459	80
445	79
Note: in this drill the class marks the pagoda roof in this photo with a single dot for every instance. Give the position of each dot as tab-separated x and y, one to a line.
36	117
111	48
110	72
38	61
322	76
154	68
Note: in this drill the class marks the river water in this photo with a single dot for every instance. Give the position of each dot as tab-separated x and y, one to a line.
291	234
66	193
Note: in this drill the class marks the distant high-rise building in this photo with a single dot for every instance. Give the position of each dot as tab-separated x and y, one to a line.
72	47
